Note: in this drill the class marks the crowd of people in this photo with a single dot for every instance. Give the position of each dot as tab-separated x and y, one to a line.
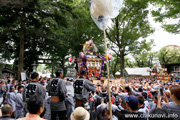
79	99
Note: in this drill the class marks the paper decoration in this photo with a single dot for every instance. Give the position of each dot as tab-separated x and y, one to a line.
103	11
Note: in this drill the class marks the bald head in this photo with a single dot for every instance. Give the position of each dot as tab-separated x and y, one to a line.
7	110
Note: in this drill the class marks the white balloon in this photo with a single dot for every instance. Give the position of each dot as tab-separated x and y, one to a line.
103	11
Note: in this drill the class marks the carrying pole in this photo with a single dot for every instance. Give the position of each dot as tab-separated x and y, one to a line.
109	93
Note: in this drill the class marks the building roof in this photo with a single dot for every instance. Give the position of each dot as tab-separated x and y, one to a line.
117	73
136	71
7	70
172	47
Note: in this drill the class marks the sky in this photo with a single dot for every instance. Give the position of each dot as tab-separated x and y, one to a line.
161	37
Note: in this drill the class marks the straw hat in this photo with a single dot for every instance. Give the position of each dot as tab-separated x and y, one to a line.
80	114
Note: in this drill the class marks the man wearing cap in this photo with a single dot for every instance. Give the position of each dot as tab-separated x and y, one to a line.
104	95
132	105
82	87
32	88
57	90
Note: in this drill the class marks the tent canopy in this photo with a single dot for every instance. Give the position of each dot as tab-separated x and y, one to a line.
117	73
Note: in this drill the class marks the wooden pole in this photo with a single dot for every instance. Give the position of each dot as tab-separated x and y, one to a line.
110	103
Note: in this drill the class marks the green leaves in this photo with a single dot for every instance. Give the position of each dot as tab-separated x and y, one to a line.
131	25
169	54
168	10
130	29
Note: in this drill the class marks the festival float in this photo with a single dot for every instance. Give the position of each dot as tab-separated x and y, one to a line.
93	62
90	60
161	74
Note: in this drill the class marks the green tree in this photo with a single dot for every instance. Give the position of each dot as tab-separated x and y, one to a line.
41	68
28	29
55	29
129	62
146	58
131	25
169	55
167	10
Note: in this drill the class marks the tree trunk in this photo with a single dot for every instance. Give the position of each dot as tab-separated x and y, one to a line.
122	63
115	66
21	50
63	63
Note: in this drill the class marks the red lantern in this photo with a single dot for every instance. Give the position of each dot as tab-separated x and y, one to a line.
109	56
172	74
70	59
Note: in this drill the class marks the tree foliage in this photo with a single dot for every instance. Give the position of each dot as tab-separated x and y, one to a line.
168	10
55	29
146	58
129	27
28	29
167	55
